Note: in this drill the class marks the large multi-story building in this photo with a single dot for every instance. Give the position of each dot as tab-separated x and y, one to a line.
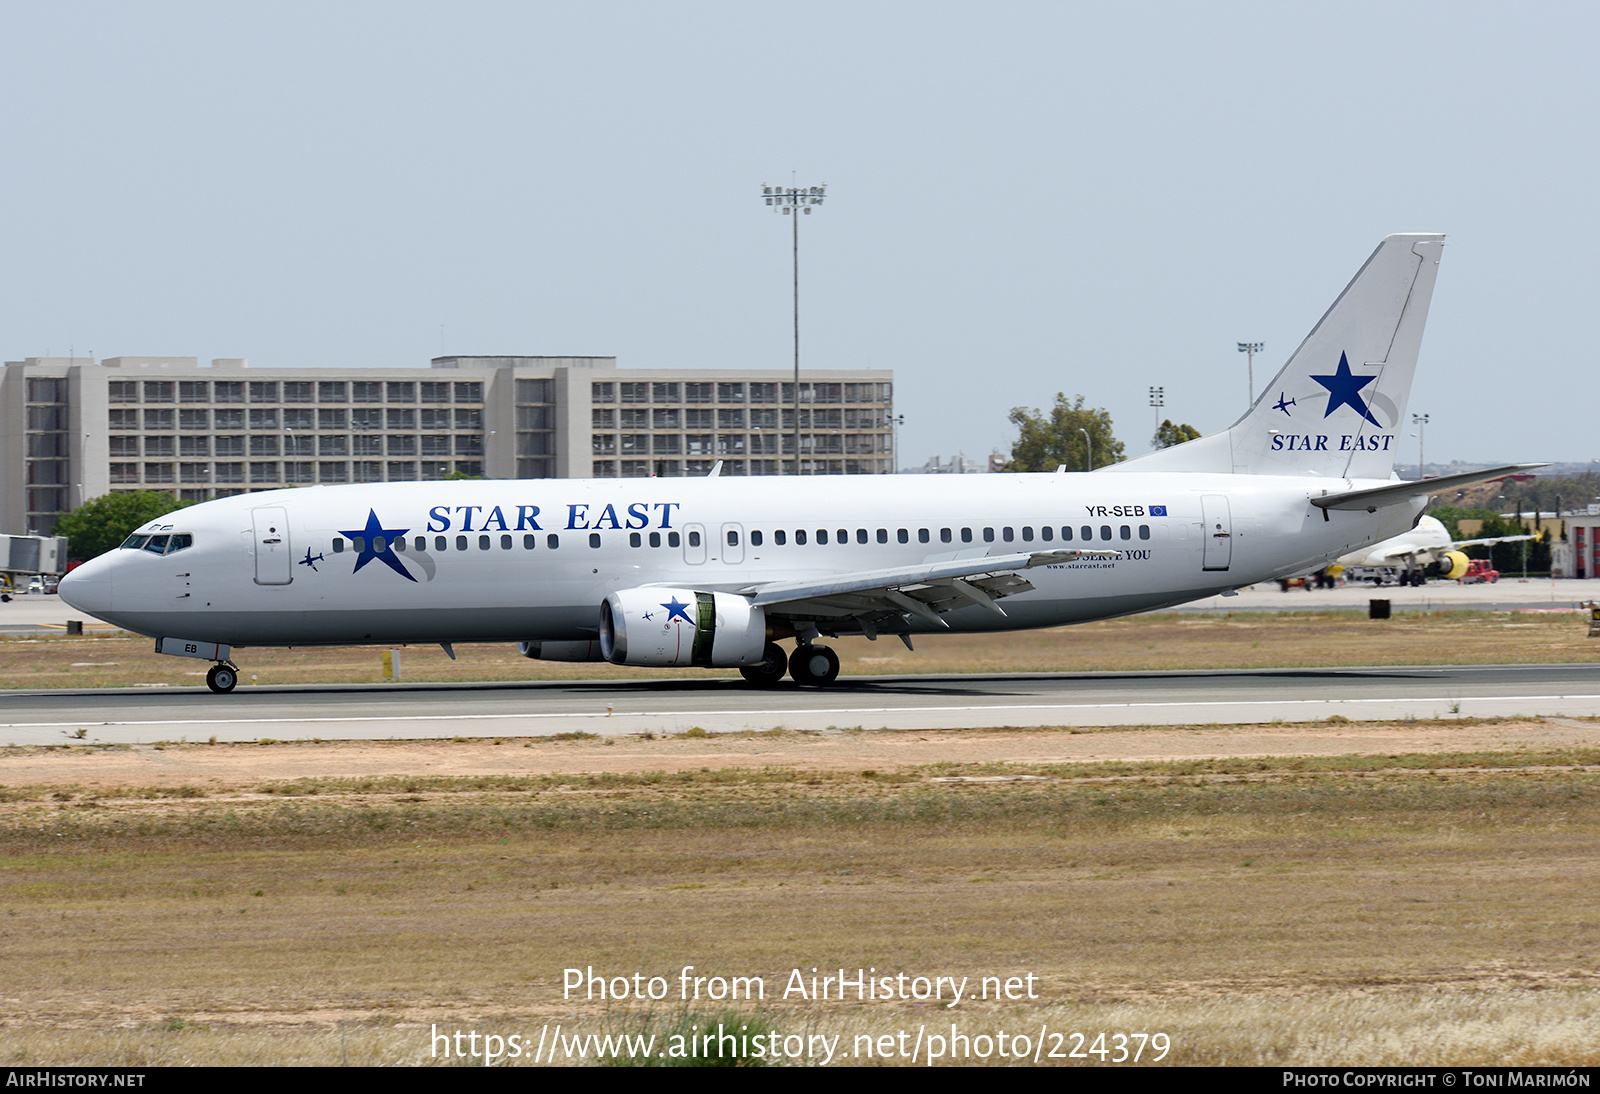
74	428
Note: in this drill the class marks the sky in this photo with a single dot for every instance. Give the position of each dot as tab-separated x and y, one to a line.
1022	198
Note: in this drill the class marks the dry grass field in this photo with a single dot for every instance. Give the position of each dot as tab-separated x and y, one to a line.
1147	642
1337	895
1405	908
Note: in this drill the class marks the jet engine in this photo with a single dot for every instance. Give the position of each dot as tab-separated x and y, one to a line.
673	627
1452	565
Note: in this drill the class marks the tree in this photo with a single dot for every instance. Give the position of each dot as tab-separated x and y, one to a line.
1046	443
1168	434
99	525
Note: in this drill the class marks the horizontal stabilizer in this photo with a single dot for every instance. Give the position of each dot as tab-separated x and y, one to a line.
1379	497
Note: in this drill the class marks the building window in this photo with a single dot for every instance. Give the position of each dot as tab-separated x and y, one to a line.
332	391
263	391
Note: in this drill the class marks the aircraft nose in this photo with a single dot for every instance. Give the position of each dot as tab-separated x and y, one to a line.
88	588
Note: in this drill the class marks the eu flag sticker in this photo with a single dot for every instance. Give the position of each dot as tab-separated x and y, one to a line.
1158	510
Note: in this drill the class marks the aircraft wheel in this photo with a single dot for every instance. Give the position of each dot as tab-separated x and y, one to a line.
814	666
222	678
769	670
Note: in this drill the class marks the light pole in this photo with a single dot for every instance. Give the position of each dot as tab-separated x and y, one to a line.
1250	349
791	203
895	422
1088	450
1421	422
1158	399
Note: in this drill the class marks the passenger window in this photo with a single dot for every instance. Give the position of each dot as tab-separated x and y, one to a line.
988	535
1144	531
483	543
844	535
966	535
594	539
635	540
694	539
505	543
1066	533
461	543
1027	534
655	539
1086	532
1105	532
822	535
529	541
755	538
672	539
1007	534
861	535
1126	532
420	543
733	538
944	535
1046	533
922	535
903	536
552	541
883	535
800	536
338	546
400	544
779	537
359	543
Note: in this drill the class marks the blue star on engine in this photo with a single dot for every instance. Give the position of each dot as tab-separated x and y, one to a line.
370	535
1344	389
676	611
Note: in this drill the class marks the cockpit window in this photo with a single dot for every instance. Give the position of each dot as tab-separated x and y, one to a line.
159	545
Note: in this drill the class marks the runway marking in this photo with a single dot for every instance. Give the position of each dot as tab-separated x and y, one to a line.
792	712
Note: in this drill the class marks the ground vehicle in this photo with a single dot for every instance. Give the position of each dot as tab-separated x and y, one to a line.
1480	570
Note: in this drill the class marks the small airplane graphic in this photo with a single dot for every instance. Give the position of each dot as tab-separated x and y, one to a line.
311	561
1283	404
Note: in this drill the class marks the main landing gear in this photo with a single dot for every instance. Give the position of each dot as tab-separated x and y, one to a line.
222	678
769	670
814	666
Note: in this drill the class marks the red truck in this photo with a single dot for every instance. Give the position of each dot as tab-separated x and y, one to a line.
1479	569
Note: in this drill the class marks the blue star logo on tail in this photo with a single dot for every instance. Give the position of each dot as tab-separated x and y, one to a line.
369	536
677	611
1344	389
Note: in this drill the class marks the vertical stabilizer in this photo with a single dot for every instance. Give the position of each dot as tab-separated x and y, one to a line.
1336	408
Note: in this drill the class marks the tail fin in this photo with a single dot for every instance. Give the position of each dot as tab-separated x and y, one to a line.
1335	409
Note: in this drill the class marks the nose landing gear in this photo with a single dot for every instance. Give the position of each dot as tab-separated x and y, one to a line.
222	678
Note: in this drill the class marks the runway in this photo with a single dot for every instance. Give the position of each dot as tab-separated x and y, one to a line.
721	705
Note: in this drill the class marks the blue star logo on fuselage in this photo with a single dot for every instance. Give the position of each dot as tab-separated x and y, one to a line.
369	536
677	611
1344	389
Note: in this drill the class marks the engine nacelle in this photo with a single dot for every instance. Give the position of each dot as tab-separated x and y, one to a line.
538	650
1452	565
672	627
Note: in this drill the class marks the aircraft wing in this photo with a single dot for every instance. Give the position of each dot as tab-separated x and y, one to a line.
1488	542
1378	497
927	590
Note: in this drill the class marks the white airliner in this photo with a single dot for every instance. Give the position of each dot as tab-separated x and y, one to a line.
715	572
1414	553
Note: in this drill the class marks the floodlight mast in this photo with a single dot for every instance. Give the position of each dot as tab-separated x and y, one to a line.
791	202
1250	349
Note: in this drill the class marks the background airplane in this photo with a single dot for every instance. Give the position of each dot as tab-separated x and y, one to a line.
1425	549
